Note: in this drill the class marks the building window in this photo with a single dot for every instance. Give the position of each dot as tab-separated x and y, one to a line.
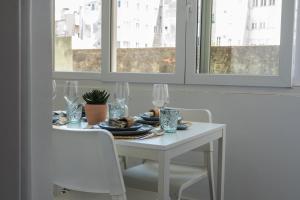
272	2
253	26
263	3
119	4
262	25
126	44
254	3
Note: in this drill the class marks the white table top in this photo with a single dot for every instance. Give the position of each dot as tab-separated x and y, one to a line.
166	141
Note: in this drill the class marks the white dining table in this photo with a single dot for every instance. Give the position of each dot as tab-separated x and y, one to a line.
164	148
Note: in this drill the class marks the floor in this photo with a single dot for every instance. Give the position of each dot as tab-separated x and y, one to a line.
132	194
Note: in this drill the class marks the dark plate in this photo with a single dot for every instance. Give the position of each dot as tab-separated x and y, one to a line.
153	119
142	130
148	118
104	125
152	123
182	127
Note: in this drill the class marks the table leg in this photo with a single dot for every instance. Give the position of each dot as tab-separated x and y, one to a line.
163	176
221	166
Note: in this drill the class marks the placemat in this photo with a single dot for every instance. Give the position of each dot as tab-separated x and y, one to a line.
131	137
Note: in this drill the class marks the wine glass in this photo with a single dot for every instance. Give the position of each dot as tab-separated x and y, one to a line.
71	91
53	89
160	95
121	96
122	91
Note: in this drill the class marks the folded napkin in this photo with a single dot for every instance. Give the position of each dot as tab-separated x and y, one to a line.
154	112
125	122
59	118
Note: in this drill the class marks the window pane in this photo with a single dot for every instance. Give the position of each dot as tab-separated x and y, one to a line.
145	36
78	35
244	38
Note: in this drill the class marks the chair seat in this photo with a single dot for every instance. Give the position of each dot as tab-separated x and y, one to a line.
145	176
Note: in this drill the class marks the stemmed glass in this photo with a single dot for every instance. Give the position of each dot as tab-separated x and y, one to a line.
121	98
160	95
122	91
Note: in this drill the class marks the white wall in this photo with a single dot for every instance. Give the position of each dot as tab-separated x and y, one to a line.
39	47
263	135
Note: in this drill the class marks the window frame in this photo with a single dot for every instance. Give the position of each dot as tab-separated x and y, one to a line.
68	75
186	58
109	35
286	58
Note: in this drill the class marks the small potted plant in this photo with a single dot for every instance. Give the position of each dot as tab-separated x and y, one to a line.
95	107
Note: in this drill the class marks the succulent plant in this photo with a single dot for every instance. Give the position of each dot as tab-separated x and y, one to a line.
96	97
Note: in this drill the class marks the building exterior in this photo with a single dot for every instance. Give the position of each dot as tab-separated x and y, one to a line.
246	22
140	23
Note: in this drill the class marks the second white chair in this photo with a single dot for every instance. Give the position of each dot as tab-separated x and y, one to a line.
183	172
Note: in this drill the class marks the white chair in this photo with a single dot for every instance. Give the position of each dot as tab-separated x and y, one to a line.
183	172
86	161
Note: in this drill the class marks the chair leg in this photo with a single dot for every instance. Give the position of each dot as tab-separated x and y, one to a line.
124	161
210	171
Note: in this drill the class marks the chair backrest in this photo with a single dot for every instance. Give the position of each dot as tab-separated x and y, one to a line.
197	115
86	161
194	157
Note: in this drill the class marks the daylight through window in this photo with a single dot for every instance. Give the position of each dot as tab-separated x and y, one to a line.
77	35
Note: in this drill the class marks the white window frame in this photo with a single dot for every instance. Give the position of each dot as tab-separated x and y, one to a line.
186	37
287	40
109	18
66	75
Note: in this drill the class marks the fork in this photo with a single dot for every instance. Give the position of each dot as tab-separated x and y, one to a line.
155	132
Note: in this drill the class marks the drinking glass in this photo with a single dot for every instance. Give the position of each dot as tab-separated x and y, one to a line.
74	108
71	91
116	109
168	119
160	95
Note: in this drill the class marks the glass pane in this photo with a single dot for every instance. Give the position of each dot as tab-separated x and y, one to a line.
146	36
245	37
78	35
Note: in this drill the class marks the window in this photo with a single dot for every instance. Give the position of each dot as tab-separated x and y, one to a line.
137	25
160	56
271	2
226	42
254	3
77	36
262	25
248	48
263	2
227	52
152	56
